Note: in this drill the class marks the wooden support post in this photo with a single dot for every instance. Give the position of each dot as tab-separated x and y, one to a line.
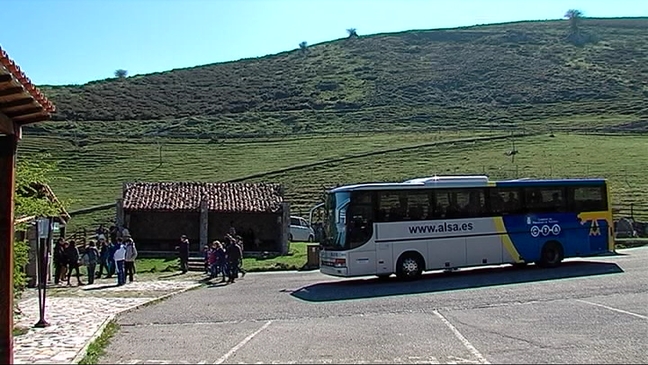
204	224
285	228
8	145
119	215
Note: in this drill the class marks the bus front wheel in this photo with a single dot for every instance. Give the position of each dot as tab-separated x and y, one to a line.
551	254
409	266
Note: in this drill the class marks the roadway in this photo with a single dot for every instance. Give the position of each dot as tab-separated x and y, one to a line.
586	311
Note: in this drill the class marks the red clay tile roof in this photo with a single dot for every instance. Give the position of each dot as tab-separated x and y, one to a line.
20	100
186	196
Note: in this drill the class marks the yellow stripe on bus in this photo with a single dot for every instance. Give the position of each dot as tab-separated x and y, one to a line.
611	243
506	240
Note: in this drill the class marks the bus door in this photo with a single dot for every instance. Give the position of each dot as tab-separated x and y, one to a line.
598	235
384	258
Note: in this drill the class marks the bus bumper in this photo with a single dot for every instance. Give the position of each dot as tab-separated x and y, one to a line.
334	271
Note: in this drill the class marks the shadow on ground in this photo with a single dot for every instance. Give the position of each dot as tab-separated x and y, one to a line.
99	287
443	282
180	273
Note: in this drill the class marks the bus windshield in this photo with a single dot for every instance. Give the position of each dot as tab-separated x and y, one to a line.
335	220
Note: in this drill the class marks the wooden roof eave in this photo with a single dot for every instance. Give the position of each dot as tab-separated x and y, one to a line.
21	102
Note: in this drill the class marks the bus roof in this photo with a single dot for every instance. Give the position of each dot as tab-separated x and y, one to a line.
465	182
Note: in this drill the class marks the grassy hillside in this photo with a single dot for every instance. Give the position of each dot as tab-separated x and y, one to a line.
384	107
493	75
304	166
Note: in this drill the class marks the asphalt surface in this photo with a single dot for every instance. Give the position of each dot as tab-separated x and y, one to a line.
586	311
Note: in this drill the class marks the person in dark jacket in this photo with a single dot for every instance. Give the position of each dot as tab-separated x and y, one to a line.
112	248
91	258
234	256
72	258
103	258
60	263
183	253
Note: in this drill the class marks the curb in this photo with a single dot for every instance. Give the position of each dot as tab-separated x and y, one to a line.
84	350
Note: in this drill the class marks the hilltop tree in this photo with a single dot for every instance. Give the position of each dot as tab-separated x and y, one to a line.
303	46
574	17
576	35
120	74
352	32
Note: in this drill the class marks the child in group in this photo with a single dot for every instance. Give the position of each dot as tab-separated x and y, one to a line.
211	260
220	261
206	250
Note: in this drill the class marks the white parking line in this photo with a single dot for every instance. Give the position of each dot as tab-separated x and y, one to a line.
242	343
462	339
612	308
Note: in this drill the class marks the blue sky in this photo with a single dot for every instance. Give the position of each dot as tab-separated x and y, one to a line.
76	41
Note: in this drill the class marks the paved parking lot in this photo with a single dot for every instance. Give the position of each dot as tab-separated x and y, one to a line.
586	311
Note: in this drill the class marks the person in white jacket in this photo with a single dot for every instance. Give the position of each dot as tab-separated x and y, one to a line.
129	259
120	257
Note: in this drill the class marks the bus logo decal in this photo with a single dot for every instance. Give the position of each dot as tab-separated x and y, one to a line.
545	230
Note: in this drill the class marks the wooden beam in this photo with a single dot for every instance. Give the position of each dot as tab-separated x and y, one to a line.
8	145
11	91
21	112
32	118
285	228
7	126
17	102
204	224
5	78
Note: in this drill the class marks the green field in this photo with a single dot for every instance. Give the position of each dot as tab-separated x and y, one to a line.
94	173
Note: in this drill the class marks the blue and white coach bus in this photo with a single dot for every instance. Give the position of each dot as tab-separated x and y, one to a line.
449	222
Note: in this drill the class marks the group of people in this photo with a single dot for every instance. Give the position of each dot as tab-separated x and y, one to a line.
224	259
116	257
220	258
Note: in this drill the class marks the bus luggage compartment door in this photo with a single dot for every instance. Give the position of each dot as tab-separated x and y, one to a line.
384	258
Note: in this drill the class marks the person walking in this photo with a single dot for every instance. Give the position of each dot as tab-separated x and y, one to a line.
239	243
91	258
119	257
72	258
59	260
103	258
183	253
112	247
234	255
129	259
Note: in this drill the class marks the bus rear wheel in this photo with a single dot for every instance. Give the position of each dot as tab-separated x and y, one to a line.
409	266
551	254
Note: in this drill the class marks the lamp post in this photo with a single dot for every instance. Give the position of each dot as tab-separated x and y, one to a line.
44	236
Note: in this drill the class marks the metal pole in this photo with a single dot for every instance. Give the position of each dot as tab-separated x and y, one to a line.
8	146
44	225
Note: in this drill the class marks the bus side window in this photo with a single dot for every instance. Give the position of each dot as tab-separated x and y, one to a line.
418	204
476	203
360	218
545	199
389	207
505	201
443	202
588	199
